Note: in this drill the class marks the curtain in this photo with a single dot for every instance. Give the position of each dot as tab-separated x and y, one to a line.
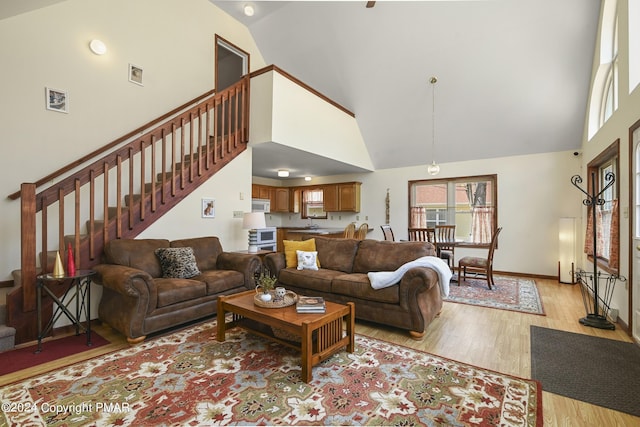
588	238
418	217
481	224
614	236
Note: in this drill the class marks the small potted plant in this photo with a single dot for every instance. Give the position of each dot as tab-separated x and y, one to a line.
265	283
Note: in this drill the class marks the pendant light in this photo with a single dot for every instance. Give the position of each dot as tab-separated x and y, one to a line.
433	168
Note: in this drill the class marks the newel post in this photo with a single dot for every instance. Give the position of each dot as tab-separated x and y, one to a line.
28	245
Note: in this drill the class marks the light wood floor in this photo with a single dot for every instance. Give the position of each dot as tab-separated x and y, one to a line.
483	337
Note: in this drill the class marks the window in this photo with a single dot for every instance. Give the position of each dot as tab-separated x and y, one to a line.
601	170
313	204
604	90
469	203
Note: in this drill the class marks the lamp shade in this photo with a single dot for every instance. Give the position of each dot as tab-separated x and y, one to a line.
253	220
567	250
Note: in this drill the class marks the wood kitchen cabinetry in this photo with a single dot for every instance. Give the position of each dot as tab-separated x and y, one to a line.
280	200
259	191
278	196
340	197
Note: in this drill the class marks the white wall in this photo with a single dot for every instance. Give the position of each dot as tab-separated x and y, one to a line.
617	128
287	113
173	41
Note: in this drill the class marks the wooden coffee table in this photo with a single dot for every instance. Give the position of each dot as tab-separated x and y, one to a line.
320	335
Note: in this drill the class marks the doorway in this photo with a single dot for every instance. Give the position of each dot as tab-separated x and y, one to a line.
231	63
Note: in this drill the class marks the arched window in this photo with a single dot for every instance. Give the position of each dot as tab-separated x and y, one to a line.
604	92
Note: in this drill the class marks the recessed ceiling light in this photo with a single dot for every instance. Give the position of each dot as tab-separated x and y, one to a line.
307	178
283	173
248	10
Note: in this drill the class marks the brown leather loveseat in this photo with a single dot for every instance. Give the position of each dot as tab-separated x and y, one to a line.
410	304
138	298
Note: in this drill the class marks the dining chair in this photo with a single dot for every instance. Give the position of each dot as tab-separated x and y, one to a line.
387	232
362	231
422	235
479	264
350	231
445	243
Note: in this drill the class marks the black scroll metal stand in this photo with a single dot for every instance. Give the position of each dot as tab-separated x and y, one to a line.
589	282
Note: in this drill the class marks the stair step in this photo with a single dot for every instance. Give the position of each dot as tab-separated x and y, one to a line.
7	338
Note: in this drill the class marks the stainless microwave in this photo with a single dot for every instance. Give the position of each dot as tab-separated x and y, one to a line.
261	205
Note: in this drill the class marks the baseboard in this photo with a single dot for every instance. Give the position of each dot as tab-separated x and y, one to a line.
6	284
534	276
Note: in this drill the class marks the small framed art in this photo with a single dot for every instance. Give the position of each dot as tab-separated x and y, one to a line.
208	208
57	100
135	74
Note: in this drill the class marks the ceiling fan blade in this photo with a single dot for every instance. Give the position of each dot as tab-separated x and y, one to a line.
370	4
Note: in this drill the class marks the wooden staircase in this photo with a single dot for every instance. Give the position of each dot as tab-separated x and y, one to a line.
122	190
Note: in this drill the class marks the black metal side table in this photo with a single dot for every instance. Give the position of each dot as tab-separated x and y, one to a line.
78	287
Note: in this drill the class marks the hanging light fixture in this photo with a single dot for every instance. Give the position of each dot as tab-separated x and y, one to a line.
433	168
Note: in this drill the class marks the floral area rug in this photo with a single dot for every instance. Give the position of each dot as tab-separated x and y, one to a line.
509	293
190	379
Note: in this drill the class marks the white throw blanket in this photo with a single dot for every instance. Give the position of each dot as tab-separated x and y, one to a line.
383	279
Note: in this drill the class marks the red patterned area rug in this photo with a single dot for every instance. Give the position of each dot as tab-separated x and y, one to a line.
189	378
509	293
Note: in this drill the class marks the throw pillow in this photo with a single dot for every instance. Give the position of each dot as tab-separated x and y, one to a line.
178	263
307	260
290	248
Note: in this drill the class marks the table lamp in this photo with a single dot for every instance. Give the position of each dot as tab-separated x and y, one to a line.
252	221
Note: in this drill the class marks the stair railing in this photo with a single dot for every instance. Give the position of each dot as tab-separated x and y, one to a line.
122	193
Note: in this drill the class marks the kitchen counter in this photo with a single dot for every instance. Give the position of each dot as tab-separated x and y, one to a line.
319	230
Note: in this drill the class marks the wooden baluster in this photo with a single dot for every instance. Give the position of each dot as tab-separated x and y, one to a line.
173	159
216	103
244	112
76	240
142	180
163	177
200	147
105	203
44	261
182	153
236	117
207	135
130	204
119	196
191	147
153	173
61	221
28	245
223	130
92	214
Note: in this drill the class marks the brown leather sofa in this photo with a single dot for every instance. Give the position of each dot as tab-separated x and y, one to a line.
137	300
342	277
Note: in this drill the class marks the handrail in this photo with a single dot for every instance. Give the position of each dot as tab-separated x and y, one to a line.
130	184
112	144
301	84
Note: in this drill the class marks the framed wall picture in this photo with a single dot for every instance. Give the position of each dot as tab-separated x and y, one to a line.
135	74
208	208
57	100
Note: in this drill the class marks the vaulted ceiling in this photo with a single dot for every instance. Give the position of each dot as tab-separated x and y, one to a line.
513	75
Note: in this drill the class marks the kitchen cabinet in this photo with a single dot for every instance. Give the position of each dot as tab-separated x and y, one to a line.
280	200
259	191
330	198
342	197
